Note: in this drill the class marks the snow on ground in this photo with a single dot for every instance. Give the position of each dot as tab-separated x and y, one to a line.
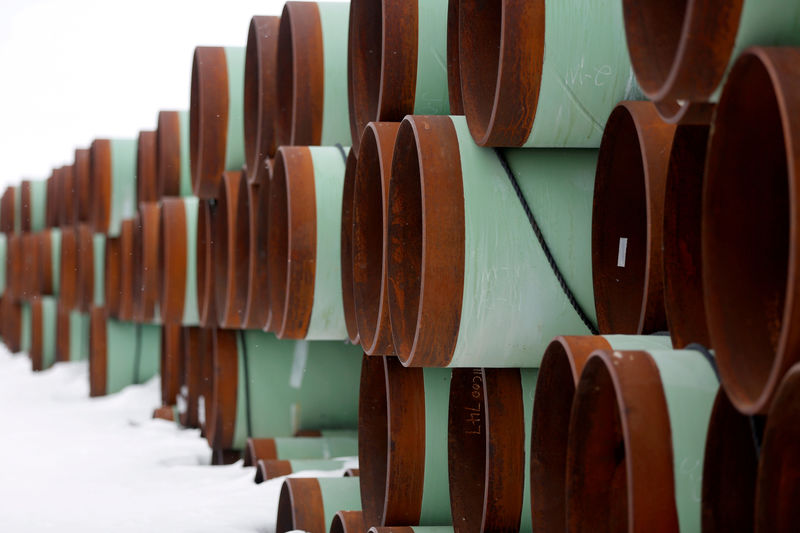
73	463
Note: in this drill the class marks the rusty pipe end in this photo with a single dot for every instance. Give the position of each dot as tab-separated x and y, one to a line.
271	469
82	195
171	366
127	269
68	275
146	168
98	352
205	264
168	154
111	276
261	449
453	59
173	259
220	403
231	251
256	306
100	184
346	247
85	266
300	506
348	522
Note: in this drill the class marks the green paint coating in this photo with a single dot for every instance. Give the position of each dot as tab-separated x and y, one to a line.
639	342
512	303
431	96
191	313
25	336
304	465
528	376
18	209
49	306
316	447
234	145
121	345
585	72
435	490
296	385
55	259
432	529
150	359
38	202
123	183
185	165
327	314
339	494
334	18
78	336
3	257
99	258
690	386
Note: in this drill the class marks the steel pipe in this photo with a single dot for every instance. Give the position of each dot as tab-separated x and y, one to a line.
453	285
304	257
43	333
29	279
777	484
682	52
11	324
111	276
192	376
402	443
9	210
346	252
271	469
66	195
348	522
311	75
91	268
370	237
68	272
4	260
179	260
171	364
256	304
204	268
126	270
395	61
165	412
636	439
146	168
627	220
750	262
146	277
328	446
72	334
302	385
50	211
309	504
112	180
538	74
216	119
453	59
260	96
120	353
25	327
14	267
173	172
82	196
230	248
33	201
683	207
49	253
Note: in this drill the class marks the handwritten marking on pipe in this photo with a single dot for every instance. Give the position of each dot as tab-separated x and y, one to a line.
622	253
474	413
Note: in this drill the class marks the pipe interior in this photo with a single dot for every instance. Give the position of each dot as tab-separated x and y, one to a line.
195	128
746	226
204	269
241	251
373	437
597	496
285	520
261	239
284	82
368	224
348	295
278	240
620	227
221	249
252	102
405	240
366	57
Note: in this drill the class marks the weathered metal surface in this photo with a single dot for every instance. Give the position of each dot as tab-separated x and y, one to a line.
231	252
346	249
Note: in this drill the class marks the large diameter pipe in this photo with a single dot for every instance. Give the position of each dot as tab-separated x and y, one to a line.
326	446
302	385
66	193
230	249
370	237
636	440
14	262
271	469
171	365
397	53
311	75
538	74
559	372
204	249
11	325
72	334
112	181
260	96
627	220
68	272
9	210
256	305
458	295
173	172
683	207
110	277
146	278
43	333
29	279
216	119
179	260
304	257
192	376
146	168
777	485
49	260
33	202
402	443
346	252
348	522
697	44
81	197
91	268
309	504
750	262
120	353
126	270
51	208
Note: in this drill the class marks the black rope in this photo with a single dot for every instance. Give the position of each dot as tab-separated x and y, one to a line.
545	248
137	355
341	151
246	383
705	352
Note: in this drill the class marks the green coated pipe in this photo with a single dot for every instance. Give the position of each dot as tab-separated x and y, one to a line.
293	386
43	333
186	169
113	183
272	468
656	405
33	199
178	241
174	177
458	294
309	504
315	447
78	336
234	144
99	260
25	330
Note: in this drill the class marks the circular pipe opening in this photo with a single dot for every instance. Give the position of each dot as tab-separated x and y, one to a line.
278	242
146	169
285	520
168	154
270	469
348	295
746	235
348	522
205	267
300	506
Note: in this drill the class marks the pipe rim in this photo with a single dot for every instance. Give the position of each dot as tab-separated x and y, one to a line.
208	119
190	342
391	440
171	352
68	275
348	522
146	167
499	83
453	59
206	215
45	264
300	76
687	57
137	269
221	406
85	267
25	205
300	506
426	246
100	185
168	154
259	449
255	303
369	256
111	274
173	260
260	93
628	201
62	334
97	352
126	269
751	370
67	193
346	247
259	308
231	253
82	205
273	468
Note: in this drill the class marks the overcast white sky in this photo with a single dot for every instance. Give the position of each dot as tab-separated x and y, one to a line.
74	70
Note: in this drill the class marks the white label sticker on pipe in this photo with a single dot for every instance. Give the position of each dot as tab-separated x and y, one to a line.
623	251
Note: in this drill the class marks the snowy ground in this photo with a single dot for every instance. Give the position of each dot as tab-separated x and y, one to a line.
71	463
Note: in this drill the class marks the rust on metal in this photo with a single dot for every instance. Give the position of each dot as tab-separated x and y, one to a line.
271	469
68	282
25	205
147	260
62	333
259	310
81	198
171	367
191	375
45	252
352	472
453	59
66	193
300	507
173	260
256	450
165	412
29	280
168	154
146	169
7	209
221	403
231	251
348	522
256	303
84	295
346	249
126	269
11	324
205	264
100	184
97	352
111	274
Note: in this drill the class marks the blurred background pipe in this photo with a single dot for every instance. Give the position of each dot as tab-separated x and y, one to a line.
271	469
627	220
204	264
216	116
68	272
72	334
112	180
311	75
146	252
43	333
171	365
126	269
33	202
178	268
111	276
397	53
309	504
328	446
346	251
66	191
146	168
81	197
49	260
11	324
190	386
173	172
